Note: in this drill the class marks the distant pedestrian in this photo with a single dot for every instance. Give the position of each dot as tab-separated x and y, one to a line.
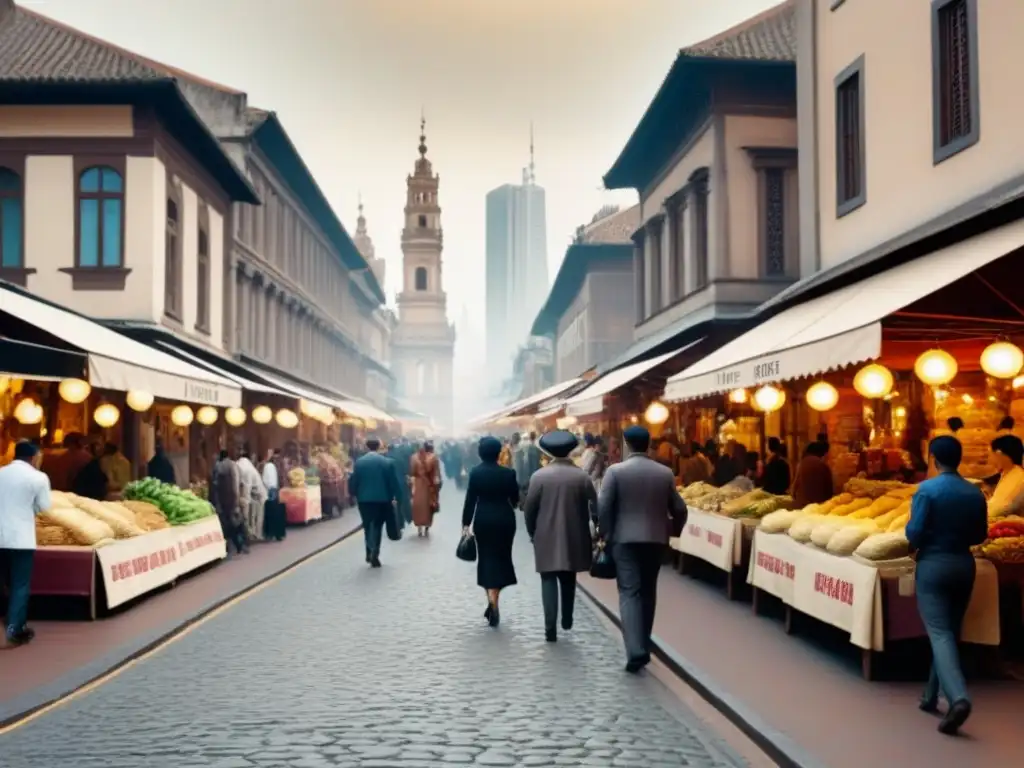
558	510
253	496
491	498
26	492
160	466
638	511
527	462
374	484
395	453
226	495
426	485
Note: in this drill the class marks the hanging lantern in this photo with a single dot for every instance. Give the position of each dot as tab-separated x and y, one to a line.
261	414
1002	360
873	381
822	396
656	413
286	419
1017	383
74	391
769	398
28	412
738	396
182	416
106	415
206	415
139	400
935	367
235	416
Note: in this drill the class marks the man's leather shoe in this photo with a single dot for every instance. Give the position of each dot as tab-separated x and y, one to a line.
957	715
551	636
635	665
375	562
567	623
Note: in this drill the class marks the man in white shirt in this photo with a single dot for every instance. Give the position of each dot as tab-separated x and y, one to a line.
270	479
24	493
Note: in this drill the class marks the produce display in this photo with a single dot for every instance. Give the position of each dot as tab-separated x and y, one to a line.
708	498
981	419
81	528
1005	542
312	476
178	506
755	504
77	521
297	477
148	516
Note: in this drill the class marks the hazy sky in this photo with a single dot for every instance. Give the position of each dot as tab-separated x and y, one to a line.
348	79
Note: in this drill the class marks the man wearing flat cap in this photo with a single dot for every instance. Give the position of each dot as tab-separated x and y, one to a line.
558	508
638	511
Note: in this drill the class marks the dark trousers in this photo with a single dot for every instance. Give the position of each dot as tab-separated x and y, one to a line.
16	573
637	567
553	585
943	584
235	533
374	514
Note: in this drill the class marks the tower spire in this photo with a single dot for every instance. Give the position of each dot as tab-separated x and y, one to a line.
533	175
423	133
361	221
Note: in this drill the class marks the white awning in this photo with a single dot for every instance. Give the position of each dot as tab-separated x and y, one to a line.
841	328
591	399
526	402
243	382
293	390
363	410
120	363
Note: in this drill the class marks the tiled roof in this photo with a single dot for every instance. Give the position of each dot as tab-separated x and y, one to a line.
34	48
615	228
769	36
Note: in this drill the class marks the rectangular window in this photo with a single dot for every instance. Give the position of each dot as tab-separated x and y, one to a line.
700	234
774	221
173	252
640	278
89	233
203	272
655	266
954	76
851	190
11	227
678	249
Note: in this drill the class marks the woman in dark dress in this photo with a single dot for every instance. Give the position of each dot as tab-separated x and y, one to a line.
491	497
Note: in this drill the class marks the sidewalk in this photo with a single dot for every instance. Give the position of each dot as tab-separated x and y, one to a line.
67	655
808	700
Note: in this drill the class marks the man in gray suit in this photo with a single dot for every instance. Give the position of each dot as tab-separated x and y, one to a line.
638	510
374	484
526	462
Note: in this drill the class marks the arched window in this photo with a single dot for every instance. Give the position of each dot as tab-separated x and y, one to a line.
421	278
11	220
173	238
100	217
422	221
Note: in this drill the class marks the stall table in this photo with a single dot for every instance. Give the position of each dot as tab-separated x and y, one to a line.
302	505
724	542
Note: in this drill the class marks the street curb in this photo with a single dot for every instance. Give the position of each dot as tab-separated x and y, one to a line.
785	752
27	704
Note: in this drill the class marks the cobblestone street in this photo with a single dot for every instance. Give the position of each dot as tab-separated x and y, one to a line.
340	665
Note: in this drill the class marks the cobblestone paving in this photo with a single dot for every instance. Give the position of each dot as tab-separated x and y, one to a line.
340	665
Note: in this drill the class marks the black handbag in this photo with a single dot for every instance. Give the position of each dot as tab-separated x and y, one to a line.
467	548
602	566
391	524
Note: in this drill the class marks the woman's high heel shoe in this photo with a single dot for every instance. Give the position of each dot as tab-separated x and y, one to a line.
487	613
495	617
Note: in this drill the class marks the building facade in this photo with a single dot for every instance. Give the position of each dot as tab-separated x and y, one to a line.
423	343
375	337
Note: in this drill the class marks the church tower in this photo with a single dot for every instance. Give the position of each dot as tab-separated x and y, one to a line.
423	344
364	244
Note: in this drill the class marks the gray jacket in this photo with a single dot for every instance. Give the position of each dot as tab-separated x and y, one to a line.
558	510
639	503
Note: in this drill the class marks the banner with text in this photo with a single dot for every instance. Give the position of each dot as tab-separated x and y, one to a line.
773	564
841	592
713	538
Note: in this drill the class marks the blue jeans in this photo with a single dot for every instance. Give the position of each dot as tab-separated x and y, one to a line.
373	515
944	584
16	569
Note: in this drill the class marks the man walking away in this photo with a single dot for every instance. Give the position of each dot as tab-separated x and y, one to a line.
638	511
226	494
527	463
374	484
26	492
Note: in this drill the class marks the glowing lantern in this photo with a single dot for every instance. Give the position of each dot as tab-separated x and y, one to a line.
1017	383
656	413
1002	360
286	419
74	390
769	398
873	381
106	415
139	400
235	416
935	367
206	415
738	396
181	416
28	412
822	396
261	414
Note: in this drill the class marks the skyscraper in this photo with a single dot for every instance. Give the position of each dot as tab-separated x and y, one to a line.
516	266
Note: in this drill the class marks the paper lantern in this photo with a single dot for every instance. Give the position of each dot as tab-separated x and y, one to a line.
935	367
1017	383
181	416
28	412
738	396
656	413
261	414
873	381
1002	360
139	400
106	415
286	419
822	396
769	398
206	415
235	416
75	391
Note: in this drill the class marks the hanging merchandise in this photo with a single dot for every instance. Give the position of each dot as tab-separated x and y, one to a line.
873	381
935	367
822	396
139	400
74	391
738	396
182	416
656	413
261	414
235	417
286	419
106	415
1002	360
28	412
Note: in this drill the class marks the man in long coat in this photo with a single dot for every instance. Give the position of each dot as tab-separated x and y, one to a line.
226	495
558	509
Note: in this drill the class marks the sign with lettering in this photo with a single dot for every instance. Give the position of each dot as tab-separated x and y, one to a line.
201	392
773	564
842	592
712	538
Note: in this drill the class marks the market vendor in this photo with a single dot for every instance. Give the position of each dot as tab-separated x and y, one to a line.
116	467
1007	455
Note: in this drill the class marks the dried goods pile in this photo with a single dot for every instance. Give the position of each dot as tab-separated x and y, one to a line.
1005	542
178	506
78	521
731	501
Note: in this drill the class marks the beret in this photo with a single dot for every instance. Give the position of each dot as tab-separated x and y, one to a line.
636	433
558	443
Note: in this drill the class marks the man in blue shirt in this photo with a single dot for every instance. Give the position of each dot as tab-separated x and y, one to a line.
374	484
948	516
